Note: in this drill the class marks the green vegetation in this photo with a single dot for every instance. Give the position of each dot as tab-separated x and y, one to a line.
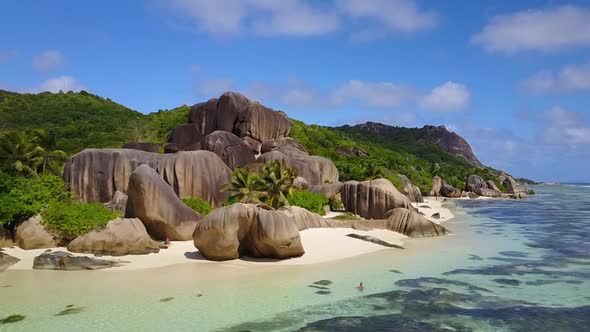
72	219
346	216
308	200
198	205
271	185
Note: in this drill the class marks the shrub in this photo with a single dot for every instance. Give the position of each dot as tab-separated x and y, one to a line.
198	205
73	219
346	216
308	200
335	204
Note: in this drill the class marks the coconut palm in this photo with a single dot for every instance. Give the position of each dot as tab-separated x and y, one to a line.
245	187
47	160
16	153
278	184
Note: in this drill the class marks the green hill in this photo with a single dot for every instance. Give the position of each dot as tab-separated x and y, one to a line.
82	120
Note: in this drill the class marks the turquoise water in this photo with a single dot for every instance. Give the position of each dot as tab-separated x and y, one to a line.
509	266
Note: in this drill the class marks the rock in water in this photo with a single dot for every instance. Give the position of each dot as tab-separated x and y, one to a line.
154	202
372	199
196	174
374	240
510	185
203	116
412	224
410	190
96	174
31	234
247	230
61	260
436	185
119	237
117	203
6	260
229	147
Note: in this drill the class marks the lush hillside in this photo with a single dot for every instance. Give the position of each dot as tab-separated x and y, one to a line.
81	120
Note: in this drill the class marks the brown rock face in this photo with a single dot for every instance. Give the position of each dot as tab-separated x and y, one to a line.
203	116
261	123
449	191
286	145
373	198
328	190
228	107
410	190
436	185
119	237
184	136
491	185
305	219
475	183
510	185
412	224
196	174
96	174
6	260
154	202
247	230
117	203
316	170
230	148
31	234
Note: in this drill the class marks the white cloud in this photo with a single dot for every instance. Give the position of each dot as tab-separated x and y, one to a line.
56	84
537	30
570	78
300	17
47	60
378	94
449	97
564	127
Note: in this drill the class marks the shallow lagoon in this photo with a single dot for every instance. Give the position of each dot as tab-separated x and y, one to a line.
510	265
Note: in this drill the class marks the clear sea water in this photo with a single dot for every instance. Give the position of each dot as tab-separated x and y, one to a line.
509	266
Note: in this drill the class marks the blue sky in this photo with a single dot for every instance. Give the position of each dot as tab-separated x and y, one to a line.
512	77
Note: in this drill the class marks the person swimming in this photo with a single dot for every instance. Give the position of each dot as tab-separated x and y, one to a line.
361	286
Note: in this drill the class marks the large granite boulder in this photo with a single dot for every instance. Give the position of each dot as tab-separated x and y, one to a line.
436	185
228	107
488	192
119	237
142	146
286	145
261	123
510	185
412	224
31	234
305	219
185	136
247	230
475	183
492	185
372	199
316	170
155	203
61	260
117	203
96	174
230	148
6	260
446	190
329	190
203	116
196	174
410	190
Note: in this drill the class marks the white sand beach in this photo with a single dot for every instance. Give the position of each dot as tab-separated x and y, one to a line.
321	245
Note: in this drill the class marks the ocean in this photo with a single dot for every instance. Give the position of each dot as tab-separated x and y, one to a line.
509	265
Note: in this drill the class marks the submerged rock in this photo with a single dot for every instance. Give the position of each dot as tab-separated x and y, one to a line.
413	224
372	239
119	237
154	202
61	260
372	199
247	230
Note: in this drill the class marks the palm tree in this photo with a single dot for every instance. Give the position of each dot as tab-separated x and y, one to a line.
16	152
278	183
47	160
244	186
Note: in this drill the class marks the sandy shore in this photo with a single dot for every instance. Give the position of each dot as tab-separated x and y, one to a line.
321	245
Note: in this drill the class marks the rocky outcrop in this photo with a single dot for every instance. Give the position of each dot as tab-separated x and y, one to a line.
185	136
446	190
286	145
228	107
96	174
315	169
305	219
373	198
154	202
117	203
119	237
142	146
261	123
6	260
475	183
436	185
412	224
410	190
61	260
230	148
247	230
510	185
31	234
203	116
488	192
330	190
350	151
492	185
196	174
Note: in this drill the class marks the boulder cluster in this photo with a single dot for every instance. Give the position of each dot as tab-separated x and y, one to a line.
476	186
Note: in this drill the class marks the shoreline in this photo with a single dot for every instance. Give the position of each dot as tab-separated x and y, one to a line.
314	242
